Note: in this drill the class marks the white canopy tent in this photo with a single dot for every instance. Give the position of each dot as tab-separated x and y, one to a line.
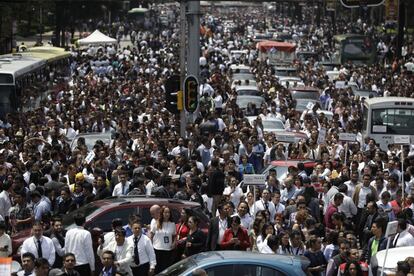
97	38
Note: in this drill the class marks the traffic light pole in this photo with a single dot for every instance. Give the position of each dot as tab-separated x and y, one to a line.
183	47
189	52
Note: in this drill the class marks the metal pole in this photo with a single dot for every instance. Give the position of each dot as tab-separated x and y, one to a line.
346	152
193	57
401	24
183	46
402	172
41	23
385	257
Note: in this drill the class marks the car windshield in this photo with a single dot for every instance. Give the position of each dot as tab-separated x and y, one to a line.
87	210
242	102
305	95
179	268
248	92
272	125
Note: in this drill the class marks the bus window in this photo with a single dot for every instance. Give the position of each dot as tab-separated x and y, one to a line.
392	121
365	118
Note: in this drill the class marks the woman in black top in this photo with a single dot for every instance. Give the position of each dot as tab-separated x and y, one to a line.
196	239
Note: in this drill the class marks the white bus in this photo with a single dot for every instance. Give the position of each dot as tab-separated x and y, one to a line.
386	117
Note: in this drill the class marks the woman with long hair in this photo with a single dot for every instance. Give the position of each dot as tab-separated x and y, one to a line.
267	231
182	230
353	268
164	237
255	232
235	237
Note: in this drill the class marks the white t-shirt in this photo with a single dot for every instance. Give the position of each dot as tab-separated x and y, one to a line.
235	196
163	237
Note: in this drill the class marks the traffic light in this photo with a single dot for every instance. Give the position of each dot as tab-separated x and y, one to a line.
191	94
172	86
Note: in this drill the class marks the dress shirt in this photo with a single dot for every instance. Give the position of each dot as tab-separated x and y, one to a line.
403	239
79	242
245	221
5	204
123	254
5	241
120	189
286	194
48	249
23	273
40	208
260	205
348	207
145	251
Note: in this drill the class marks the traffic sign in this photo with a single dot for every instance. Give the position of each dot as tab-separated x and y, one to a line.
361	3
191	93
349	137
254	179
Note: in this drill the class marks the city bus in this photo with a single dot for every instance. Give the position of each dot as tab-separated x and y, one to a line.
357	49
386	117
24	77
16	73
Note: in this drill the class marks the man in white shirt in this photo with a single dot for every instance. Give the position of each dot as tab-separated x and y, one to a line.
403	237
265	204
79	242
122	249
5	203
352	183
348	206
143	257
180	150
122	188
39	245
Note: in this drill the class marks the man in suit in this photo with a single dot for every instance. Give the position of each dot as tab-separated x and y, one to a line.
123	251
218	226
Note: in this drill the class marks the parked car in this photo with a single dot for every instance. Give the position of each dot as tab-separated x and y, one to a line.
218	263
393	257
282	166
366	93
302	104
99	214
269	124
91	139
244	90
243	101
311	93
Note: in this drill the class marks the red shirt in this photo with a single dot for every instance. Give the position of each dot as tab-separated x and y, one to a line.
241	235
182	232
328	216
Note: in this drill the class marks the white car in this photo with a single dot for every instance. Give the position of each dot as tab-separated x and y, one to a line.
269	124
242	69
292	81
244	90
243	82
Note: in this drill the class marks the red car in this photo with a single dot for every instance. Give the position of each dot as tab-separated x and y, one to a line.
100	213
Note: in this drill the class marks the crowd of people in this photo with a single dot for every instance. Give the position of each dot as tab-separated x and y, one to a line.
120	91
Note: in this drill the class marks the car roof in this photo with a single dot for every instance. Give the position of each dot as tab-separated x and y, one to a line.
231	256
293	162
120	200
304	89
246	87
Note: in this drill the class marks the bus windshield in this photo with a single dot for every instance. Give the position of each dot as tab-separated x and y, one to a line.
393	121
357	48
6	99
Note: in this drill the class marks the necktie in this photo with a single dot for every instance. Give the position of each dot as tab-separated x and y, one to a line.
266	205
136	255
39	249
